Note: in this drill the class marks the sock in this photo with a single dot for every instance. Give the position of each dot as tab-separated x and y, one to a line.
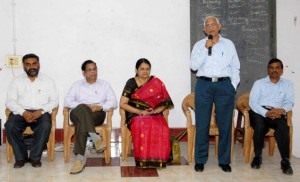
94	136
79	157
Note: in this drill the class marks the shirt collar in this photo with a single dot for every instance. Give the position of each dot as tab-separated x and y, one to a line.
268	80
85	83
220	37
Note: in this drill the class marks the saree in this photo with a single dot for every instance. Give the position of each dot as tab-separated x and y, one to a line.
150	134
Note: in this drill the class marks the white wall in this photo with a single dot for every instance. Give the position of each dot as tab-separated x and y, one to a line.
288	49
115	34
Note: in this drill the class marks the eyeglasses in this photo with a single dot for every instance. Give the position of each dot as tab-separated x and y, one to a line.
213	25
91	70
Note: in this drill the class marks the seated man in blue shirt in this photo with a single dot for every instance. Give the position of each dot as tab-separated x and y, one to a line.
270	99
89	99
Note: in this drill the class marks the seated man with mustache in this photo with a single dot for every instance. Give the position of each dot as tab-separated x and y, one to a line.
31	97
270	99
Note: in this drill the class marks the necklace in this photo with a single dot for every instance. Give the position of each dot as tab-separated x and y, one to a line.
141	82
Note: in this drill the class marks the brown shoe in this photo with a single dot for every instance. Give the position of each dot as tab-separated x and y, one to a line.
20	163
77	167
99	146
35	163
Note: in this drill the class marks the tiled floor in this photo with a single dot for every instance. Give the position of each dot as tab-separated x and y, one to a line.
119	170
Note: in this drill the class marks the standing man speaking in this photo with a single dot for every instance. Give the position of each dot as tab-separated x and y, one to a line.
217	64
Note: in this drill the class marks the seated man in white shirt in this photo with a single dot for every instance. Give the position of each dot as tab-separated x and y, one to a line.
89	99
270	98
30	98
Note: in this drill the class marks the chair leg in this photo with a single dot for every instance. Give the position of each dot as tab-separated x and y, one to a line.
245	148
67	148
50	146
216	145
66	131
129	143
251	152
48	150
106	140
232	143
194	141
124	144
190	148
191	136
271	145
108	147
248	145
238	129
9	152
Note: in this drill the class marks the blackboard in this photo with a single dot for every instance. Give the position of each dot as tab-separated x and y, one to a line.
250	24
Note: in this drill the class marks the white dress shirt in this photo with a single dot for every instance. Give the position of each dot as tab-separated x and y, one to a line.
99	93
26	94
223	62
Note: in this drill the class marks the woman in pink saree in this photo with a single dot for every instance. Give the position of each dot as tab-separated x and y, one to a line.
144	98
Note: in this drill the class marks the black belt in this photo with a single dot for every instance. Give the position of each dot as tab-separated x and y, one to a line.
214	79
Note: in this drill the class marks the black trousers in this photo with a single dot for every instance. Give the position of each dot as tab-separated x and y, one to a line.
15	127
85	121
261	126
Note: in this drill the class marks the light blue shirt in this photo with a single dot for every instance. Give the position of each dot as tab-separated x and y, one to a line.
98	93
266	93
223	62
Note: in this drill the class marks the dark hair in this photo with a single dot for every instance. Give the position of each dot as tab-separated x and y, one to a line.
275	60
140	61
83	66
27	56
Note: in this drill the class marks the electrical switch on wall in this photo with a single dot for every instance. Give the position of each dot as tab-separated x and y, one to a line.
13	61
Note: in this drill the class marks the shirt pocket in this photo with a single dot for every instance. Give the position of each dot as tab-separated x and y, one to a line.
279	97
42	95
25	97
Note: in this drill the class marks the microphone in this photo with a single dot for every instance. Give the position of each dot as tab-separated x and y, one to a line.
209	48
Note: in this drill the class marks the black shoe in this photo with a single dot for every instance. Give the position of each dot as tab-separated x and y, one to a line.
286	167
20	163
256	162
35	163
225	167
199	167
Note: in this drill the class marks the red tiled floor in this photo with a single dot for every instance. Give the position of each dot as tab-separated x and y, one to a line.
132	171
95	162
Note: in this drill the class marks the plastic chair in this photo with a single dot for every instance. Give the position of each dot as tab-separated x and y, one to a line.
126	134
189	103
248	146
104	130
28	131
